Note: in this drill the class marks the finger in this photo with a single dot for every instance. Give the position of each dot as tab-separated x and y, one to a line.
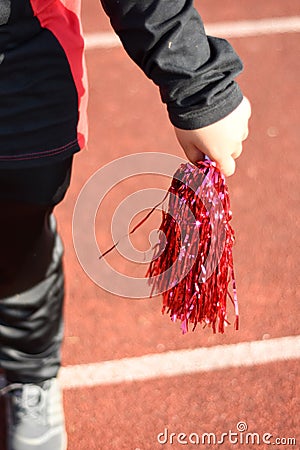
227	166
194	154
245	135
237	152
247	106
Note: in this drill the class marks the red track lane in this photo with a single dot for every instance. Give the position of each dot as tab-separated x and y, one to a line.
126	117
94	19
130	416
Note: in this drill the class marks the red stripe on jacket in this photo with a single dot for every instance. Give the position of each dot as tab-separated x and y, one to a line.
62	18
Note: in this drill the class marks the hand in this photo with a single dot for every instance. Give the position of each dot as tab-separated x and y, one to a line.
221	141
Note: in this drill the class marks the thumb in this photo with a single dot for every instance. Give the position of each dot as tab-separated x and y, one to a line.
227	166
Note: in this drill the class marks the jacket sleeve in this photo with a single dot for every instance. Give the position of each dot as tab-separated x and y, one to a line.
195	73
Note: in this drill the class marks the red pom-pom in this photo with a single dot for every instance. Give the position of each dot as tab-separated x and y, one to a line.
193	266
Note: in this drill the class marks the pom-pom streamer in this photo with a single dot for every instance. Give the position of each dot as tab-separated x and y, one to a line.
193	265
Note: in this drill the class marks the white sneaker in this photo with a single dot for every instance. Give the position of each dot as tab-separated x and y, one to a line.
35	417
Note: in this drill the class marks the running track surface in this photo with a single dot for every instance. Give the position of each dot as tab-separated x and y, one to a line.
249	376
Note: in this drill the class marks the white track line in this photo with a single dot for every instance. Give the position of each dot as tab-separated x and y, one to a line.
105	39
255	27
181	362
224	29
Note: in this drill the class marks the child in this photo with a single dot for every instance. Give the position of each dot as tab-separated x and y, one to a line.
42	125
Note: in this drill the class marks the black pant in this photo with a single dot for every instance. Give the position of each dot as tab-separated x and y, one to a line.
31	272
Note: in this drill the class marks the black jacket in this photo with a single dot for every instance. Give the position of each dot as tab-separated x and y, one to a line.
195	73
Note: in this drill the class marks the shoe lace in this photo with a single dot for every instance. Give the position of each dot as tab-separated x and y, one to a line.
27	399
